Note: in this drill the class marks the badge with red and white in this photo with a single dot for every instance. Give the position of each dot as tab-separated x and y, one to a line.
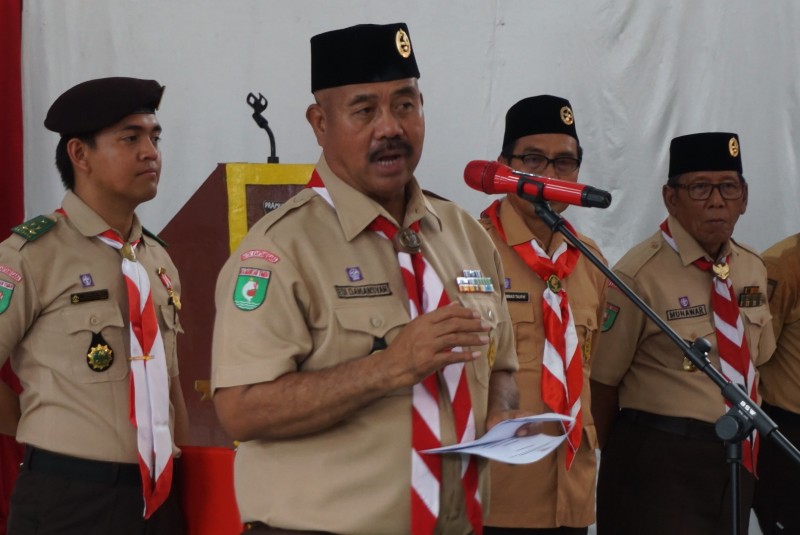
251	288
6	289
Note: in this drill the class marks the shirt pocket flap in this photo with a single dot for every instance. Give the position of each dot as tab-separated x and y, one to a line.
91	317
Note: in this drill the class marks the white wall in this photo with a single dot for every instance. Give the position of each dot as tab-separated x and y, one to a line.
637	74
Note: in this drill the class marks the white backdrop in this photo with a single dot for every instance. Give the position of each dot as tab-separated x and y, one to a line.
637	74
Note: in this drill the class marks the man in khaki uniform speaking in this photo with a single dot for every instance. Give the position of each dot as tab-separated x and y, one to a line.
663	469
363	322
89	314
777	490
555	494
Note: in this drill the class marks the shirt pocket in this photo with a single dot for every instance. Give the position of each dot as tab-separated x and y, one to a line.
585	320
363	330
81	323
689	329
361	326
170	325
527	339
488	307
756	319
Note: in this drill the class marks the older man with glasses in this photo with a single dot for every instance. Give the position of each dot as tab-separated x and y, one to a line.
555	494
663	469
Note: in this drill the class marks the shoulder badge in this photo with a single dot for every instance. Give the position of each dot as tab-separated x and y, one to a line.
34	228
155	237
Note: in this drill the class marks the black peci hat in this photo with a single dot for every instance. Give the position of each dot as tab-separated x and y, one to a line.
362	54
707	151
95	104
542	114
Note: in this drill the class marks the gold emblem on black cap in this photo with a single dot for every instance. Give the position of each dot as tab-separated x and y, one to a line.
566	115
403	43
733	147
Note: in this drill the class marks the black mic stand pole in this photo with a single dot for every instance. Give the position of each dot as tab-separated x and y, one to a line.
259	104
741	418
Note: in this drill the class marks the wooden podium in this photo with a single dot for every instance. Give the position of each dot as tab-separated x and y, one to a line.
201	237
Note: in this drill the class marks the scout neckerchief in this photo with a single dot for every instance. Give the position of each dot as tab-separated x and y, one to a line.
562	365
149	383
426	293
734	354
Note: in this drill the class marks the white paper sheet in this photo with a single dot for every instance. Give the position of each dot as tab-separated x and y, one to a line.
501	444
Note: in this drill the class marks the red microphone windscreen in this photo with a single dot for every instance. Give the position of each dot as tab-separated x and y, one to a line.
479	175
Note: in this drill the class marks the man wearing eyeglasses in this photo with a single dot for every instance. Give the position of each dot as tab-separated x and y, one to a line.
663	470
556	494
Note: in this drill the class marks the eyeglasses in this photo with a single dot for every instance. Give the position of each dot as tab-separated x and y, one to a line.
537	163
701	191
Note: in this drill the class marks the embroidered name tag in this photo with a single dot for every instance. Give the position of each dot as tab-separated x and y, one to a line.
85	297
517	297
368	290
683	313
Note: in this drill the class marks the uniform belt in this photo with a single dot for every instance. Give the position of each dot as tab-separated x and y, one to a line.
685	427
68	467
781	414
259	528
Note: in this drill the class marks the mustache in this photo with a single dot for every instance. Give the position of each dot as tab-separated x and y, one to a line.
390	145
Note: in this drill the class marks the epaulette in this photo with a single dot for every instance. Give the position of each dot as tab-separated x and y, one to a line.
34	228
746	248
296	201
435	195
635	259
155	237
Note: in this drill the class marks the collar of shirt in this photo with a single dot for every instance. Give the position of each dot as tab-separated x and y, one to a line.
356	211
688	248
89	223
517	231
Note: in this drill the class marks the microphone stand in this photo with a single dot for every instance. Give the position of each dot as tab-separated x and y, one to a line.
259	104
741	418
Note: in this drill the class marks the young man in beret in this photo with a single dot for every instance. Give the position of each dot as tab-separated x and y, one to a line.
663	470
89	314
555	494
777	491
362	323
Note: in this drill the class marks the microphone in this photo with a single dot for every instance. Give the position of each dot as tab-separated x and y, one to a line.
493	177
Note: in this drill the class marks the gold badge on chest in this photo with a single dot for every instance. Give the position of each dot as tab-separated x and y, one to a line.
100	356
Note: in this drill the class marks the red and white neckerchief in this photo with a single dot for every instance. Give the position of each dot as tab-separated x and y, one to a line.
562	362
149	383
426	293
734	354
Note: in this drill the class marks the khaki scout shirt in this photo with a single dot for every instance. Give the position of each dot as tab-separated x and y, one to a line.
646	365
544	494
334	288
67	285
780	377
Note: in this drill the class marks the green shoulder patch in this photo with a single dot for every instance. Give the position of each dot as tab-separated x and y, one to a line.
609	317
34	228
155	237
6	290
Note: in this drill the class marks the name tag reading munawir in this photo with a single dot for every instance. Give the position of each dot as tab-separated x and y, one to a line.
473	281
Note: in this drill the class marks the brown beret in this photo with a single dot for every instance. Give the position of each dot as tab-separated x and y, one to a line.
95	104
542	114
362	54
707	151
